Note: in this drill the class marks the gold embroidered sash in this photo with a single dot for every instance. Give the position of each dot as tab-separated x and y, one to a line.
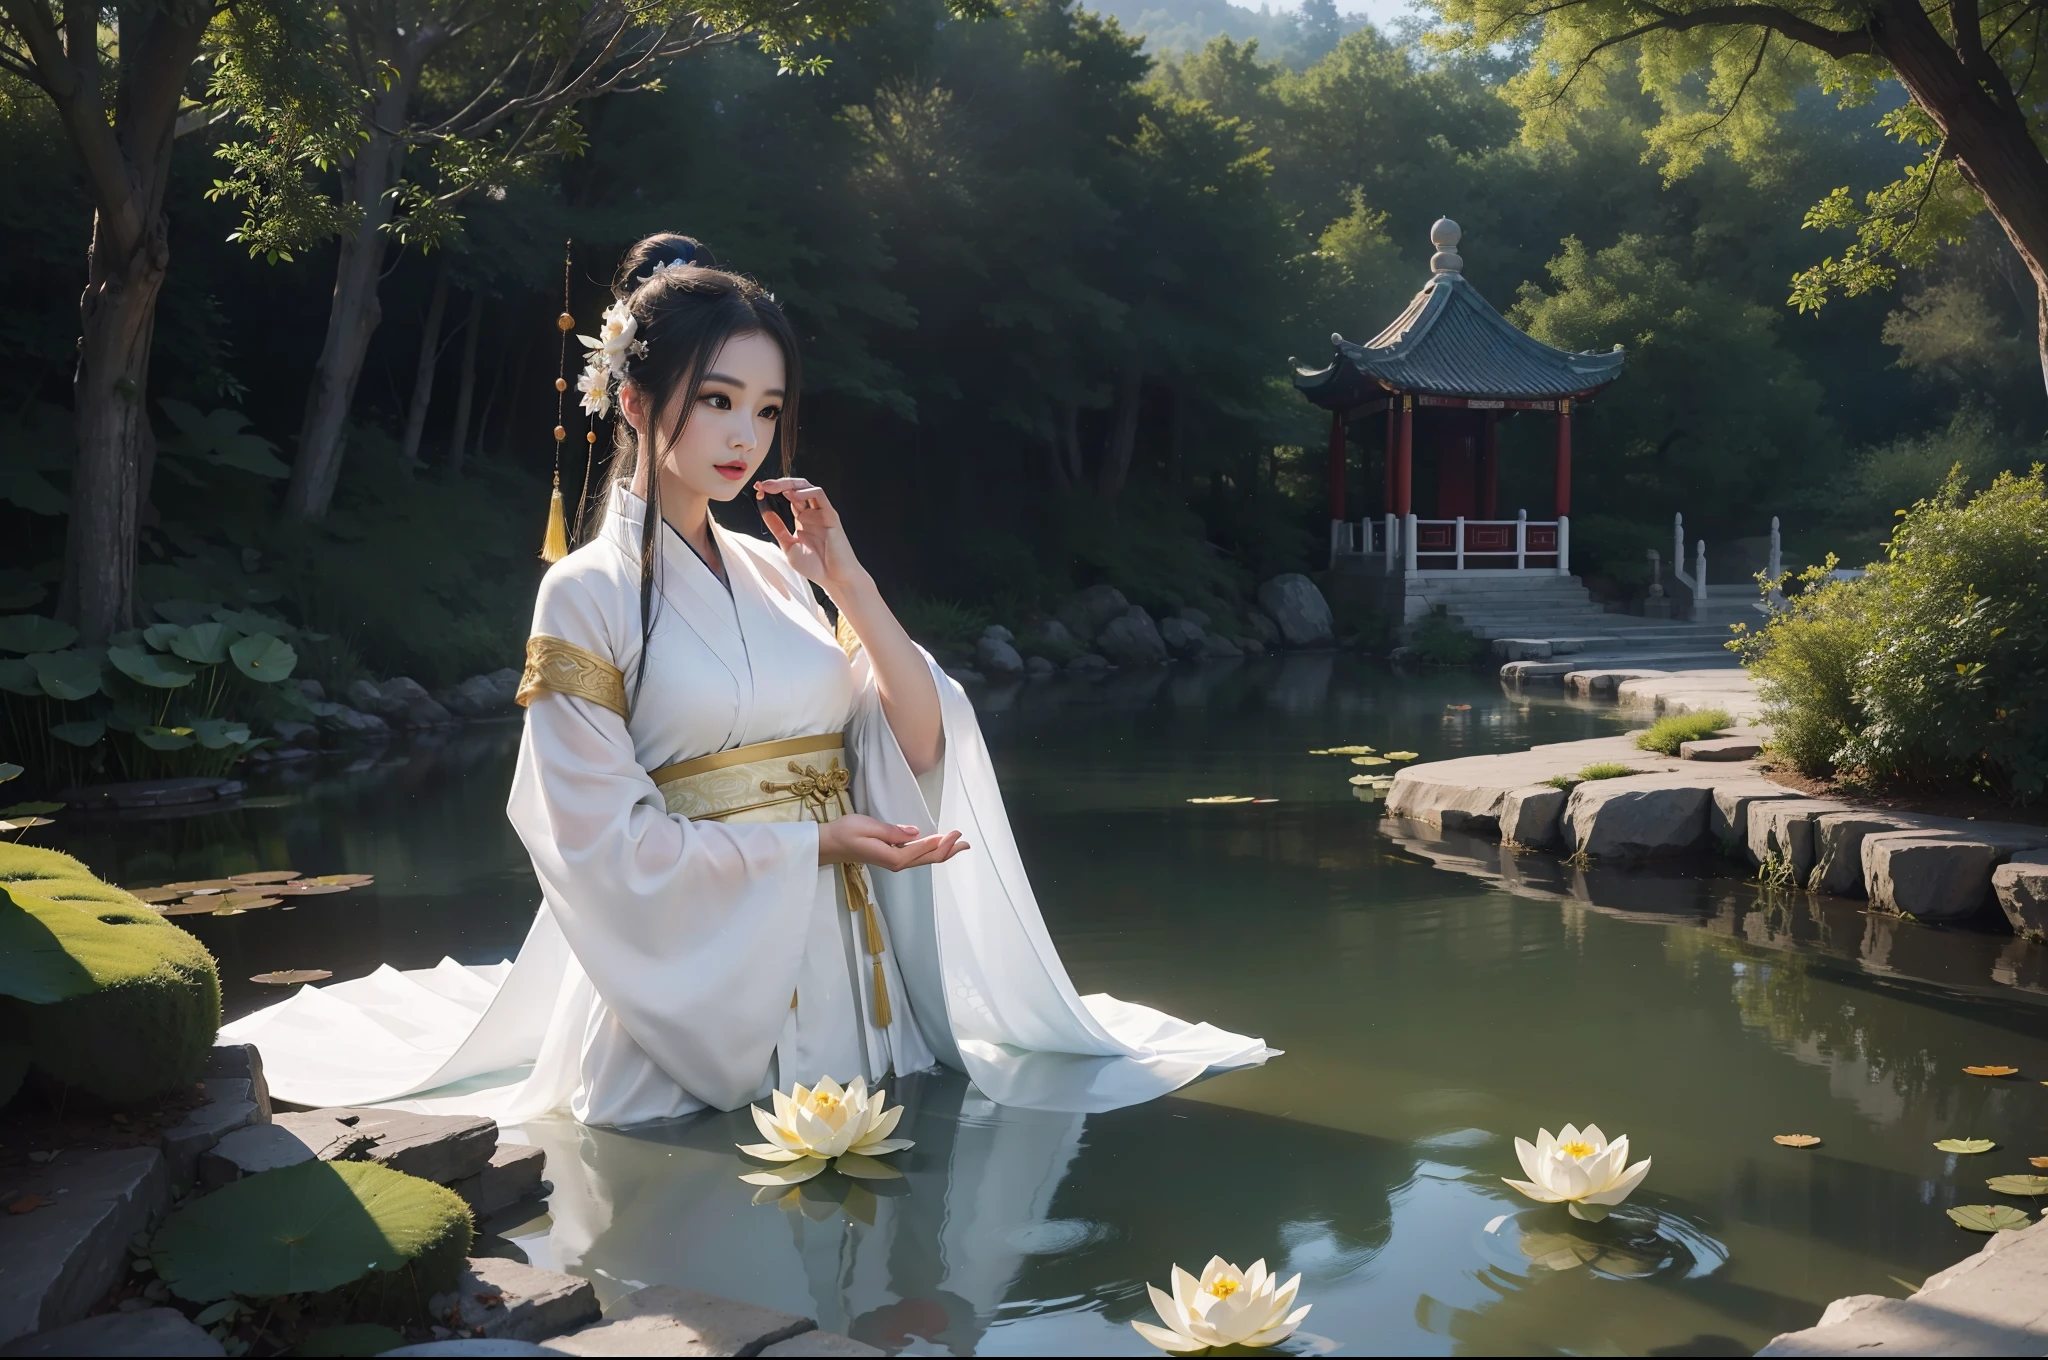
780	781
553	665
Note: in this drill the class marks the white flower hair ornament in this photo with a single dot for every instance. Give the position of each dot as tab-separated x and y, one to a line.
612	350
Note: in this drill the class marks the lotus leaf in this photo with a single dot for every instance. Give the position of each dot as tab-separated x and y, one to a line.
310	1228
69	676
1966	1145
87	733
184	613
1795	1140
217	734
2019	1185
2041	1162
1401	755
161	635
1370	760
31	809
165	738
150	668
252	621
264	657
1986	1218
9	770
345	880
205	643
22	823
268	876
18	677
34	633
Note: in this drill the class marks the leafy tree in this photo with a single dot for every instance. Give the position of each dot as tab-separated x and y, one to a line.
1724	73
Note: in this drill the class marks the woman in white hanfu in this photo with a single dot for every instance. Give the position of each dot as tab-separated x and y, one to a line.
709	770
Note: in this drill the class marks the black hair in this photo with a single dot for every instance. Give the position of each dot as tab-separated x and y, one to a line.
686	315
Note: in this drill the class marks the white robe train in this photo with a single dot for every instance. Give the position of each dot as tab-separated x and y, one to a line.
657	975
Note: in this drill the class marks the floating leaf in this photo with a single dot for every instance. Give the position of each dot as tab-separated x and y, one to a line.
192	885
161	635
263	657
1986	1218
292	977
184	613
346	880
2038	1161
269	876
227	911
205	643
34	633
18	677
1372	781
1966	1145
1992	1071
252	622
150	668
218	734
87	733
306	887
22	823
1401	755
2019	1185
69	676
165	738
1224	798
1344	751
155	894
1370	760
191	906
31	809
1795	1140
247	901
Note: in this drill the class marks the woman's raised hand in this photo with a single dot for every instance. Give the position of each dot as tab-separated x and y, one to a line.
858	839
817	545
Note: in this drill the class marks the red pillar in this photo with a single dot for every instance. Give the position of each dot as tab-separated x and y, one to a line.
1336	465
1393	440
1489	467
1564	457
1404	459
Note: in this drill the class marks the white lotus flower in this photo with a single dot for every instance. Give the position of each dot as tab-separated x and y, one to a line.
1226	1307
1579	1168
595	383
810	1129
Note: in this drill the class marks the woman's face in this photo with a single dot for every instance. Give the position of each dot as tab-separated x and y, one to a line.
732	428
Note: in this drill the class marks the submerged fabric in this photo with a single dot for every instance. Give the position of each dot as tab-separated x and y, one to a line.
658	974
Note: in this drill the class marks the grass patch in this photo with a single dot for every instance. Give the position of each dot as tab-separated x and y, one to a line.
1667	734
1604	769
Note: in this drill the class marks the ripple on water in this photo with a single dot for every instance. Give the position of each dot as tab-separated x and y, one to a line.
1634	1242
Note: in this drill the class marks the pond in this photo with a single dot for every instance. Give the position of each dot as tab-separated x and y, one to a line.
1429	1015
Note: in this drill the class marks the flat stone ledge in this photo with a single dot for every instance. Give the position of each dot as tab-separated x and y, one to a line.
1721	748
666	1319
511	1301
150	1331
230	1104
57	1261
1596	684
514	1174
442	1148
241	1062
1636	817
1994	1303
2021	886
1930	877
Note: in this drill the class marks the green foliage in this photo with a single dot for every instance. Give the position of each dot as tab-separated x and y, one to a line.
1606	769
315	1228
1436	641
934	622
107	997
1668	733
1932	669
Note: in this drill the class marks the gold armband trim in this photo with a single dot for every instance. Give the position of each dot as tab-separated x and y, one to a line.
849	641
558	667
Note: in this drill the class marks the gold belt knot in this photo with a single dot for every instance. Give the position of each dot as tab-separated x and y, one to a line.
818	790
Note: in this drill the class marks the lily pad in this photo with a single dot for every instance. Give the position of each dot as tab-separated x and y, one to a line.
69	676
269	876
1987	1218
292	977
87	733
22	823
304	887
218	734
31	809
264	658
18	677
2038	1161
34	633
201	906
155	894
246	901
345	880
1370	760
150	668
203	884
1796	1140
2019	1185
1401	755
1966	1145
165	738
1994	1071
184	613
1224	798
205	643
1344	751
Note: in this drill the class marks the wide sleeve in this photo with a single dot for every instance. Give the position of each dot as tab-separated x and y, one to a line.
990	991
691	932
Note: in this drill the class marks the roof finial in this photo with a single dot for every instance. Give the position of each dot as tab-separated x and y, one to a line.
1444	236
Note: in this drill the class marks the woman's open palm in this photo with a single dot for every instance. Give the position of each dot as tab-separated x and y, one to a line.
816	545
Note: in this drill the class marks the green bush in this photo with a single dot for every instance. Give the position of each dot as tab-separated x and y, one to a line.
1439	642
1933	668
390	1240
1667	734
102	994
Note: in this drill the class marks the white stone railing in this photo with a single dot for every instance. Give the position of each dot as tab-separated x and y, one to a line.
1697	581
1402	542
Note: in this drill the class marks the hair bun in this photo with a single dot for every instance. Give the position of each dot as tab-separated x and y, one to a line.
657	254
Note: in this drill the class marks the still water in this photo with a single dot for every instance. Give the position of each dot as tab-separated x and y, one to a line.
1435	998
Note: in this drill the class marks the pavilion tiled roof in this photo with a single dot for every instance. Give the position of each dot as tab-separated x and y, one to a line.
1450	342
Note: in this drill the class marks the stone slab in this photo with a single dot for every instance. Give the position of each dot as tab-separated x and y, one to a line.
1469	794
149	1331
1838	849
1636	817
1927	875
508	1300
513	1175
1531	816
1994	1303
230	1104
1602	683
260	1147
241	1062
1721	748
1728	822
1693	691
58	1260
1782	830
821	1344
2021	887
442	1148
665	1319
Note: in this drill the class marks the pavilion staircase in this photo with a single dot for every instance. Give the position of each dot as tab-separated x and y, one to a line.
1544	617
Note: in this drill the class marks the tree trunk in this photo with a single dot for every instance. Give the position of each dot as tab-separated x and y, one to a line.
1989	140
353	315
465	386
1123	432
423	376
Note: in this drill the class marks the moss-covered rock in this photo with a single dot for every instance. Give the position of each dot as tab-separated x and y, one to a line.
106	995
387	1241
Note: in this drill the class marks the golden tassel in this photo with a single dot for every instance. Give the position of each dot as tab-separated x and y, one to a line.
857	899
882	1013
555	546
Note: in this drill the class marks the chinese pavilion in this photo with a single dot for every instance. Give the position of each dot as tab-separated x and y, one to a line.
1447	369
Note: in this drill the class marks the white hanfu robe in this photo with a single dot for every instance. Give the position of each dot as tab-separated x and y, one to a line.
658	976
